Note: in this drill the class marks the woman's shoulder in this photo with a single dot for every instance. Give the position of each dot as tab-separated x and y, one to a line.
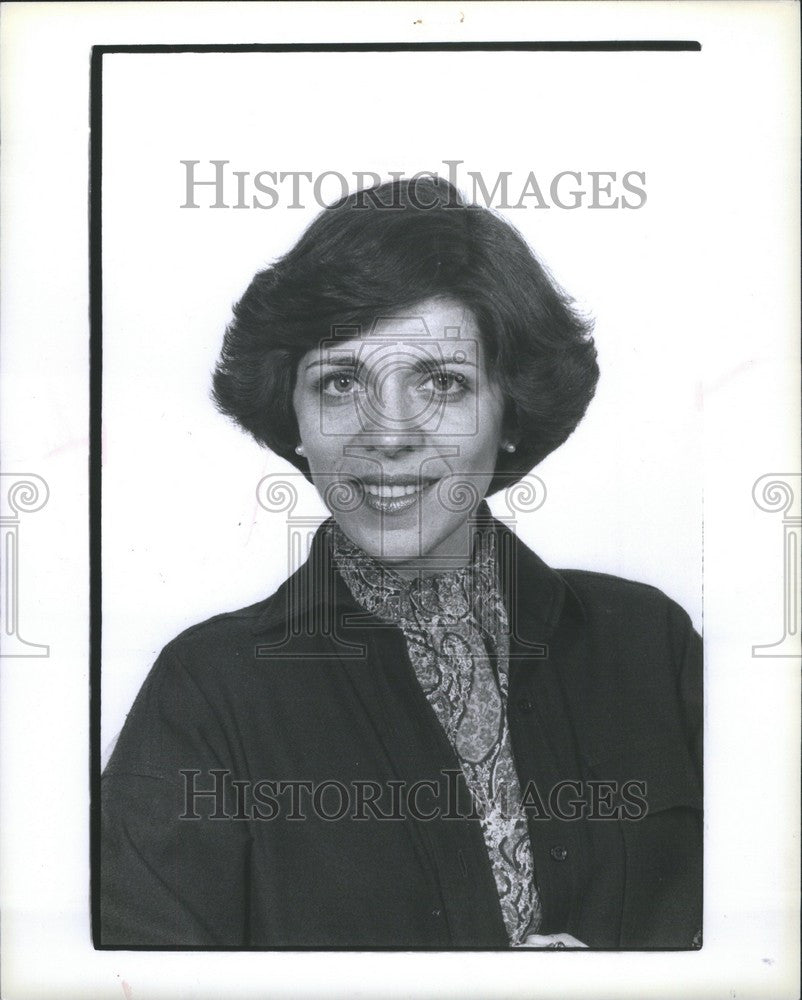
631	602
215	645
223	625
593	581
199	676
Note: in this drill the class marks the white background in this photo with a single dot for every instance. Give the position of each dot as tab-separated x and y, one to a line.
696	301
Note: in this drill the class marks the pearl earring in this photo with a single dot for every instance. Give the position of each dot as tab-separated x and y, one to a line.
299	449
508	446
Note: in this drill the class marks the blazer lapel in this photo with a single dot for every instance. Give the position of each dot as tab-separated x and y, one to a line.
549	640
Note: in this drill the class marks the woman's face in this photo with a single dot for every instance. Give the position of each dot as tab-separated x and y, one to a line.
401	428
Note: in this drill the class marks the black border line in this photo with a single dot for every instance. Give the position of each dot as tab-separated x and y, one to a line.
95	466
611	45
96	401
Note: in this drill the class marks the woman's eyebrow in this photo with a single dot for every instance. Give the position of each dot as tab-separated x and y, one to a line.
457	359
336	361
350	361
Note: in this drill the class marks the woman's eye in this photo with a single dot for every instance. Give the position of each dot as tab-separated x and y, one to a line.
447	383
339	384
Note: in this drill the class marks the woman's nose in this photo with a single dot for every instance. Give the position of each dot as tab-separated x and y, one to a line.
392	441
392	444
394	418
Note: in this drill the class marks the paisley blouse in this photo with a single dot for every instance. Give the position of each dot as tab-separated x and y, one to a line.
457	634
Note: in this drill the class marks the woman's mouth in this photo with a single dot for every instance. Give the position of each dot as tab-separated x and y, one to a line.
393	498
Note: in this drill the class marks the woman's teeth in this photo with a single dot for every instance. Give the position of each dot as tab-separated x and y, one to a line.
393	491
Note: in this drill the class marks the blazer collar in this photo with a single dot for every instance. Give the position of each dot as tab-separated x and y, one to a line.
534	594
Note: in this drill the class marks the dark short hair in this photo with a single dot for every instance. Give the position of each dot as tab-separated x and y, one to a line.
389	248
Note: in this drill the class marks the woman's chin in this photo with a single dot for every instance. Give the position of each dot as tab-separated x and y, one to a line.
396	546
409	543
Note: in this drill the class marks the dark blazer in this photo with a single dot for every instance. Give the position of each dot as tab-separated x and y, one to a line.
306	697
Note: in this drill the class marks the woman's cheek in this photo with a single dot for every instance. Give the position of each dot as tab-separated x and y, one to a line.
335	423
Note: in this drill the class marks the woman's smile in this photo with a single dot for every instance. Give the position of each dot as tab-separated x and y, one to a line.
395	496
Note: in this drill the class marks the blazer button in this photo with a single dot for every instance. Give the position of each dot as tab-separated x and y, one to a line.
525	706
558	852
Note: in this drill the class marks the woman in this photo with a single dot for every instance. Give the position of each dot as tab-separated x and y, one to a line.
426	738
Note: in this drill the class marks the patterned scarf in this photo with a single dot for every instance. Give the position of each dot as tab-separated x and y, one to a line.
453	623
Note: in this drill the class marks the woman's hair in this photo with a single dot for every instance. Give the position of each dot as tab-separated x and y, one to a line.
385	249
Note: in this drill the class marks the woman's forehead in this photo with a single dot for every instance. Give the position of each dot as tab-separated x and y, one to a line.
436	318
443	329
